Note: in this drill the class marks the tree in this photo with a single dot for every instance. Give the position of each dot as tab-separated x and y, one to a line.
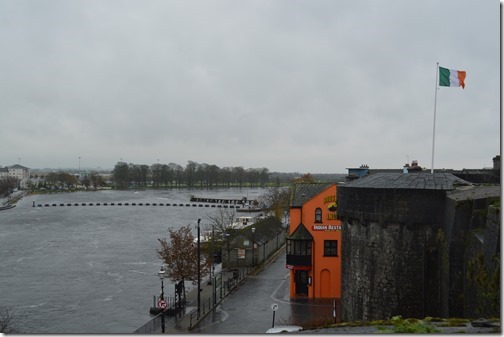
7	184
223	230
96	179
156	171
9	321
306	178
180	256
121	175
190	172
278	200
223	220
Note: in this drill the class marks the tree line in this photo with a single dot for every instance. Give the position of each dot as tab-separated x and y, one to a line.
193	174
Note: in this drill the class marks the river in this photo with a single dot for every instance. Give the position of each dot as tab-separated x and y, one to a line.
91	269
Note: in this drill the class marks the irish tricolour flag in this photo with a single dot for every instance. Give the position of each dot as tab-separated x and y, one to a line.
451	78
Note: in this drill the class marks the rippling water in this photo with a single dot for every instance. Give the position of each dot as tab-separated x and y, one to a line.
91	269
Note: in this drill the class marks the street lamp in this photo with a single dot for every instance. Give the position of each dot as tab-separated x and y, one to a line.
161	274
212	271
199	270
228	249
253	246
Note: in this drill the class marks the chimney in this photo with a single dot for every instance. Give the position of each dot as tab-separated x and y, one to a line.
496	163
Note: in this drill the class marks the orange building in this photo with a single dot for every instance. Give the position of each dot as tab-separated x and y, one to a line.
314	244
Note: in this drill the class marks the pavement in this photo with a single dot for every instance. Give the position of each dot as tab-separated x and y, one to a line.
227	280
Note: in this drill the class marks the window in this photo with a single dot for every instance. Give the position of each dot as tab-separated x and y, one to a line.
299	247
318	215
330	248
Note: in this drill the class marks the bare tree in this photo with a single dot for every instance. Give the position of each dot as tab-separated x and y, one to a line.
180	256
277	199
222	220
9	320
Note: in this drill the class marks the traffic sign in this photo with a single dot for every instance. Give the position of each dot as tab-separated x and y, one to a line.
274	307
161	304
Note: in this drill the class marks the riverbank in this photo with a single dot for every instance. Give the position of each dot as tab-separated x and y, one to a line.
10	201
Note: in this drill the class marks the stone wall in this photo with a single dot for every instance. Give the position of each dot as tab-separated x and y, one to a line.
420	252
482	269
389	259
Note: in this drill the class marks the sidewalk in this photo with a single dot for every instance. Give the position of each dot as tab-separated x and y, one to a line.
188	318
231	278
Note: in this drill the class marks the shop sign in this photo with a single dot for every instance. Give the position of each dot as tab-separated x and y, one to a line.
326	227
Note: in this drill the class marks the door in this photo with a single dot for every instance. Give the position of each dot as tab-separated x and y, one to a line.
301	282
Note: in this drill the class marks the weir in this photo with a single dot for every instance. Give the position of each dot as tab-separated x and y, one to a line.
134	204
222	200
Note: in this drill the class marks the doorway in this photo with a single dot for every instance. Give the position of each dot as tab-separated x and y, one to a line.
301	282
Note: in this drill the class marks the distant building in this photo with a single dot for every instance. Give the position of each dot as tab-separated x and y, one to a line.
475	176
253	244
19	172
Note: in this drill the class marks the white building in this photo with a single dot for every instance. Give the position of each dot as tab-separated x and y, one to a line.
21	173
18	171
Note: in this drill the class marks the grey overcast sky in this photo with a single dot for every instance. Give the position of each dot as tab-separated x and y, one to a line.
291	85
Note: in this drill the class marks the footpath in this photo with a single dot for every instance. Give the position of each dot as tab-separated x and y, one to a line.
211	295
188	318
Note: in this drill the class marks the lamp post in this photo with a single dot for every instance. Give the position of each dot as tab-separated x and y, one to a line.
253	246
161	274
212	271
199	271
228	249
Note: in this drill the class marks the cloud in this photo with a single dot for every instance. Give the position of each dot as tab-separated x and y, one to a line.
308	86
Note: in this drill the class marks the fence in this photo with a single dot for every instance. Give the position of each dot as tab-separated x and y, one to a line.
152	326
228	281
223	283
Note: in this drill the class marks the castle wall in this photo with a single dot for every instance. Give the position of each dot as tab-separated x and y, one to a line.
389	259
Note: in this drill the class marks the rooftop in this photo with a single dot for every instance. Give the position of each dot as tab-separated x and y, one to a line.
303	192
421	180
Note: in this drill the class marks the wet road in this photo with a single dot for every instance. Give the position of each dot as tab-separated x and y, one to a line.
248	308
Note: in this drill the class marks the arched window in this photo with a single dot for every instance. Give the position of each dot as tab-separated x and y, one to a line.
318	215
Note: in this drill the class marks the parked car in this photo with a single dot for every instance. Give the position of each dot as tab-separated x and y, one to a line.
284	328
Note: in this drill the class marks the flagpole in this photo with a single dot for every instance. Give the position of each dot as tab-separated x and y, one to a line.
434	126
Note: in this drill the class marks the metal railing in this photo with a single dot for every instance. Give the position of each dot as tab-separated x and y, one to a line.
152	326
220	292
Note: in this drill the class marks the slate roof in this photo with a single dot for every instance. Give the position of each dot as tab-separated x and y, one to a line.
303	192
265	230
477	192
301	233
421	180
17	166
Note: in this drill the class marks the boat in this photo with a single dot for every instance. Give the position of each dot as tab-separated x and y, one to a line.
246	221
241	222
